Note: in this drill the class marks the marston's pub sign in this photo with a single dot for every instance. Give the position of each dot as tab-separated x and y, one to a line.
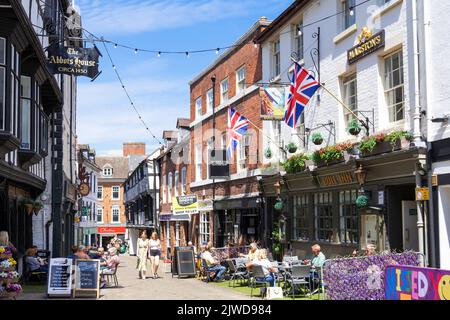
368	44
74	61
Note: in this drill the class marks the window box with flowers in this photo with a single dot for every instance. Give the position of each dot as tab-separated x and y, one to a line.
296	164
385	143
333	154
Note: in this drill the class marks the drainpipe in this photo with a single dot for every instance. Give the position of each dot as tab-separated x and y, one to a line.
417	122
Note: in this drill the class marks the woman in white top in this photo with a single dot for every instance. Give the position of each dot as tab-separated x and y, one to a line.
143	244
155	252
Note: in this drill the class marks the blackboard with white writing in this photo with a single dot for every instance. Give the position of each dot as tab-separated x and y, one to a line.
60	277
183	263
88	274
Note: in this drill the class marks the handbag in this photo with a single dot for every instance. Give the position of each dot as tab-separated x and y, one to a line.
274	293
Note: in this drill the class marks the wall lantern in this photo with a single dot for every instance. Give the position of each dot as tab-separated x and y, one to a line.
361	175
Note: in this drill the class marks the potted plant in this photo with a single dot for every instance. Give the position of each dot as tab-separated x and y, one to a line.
28	204
277	237
37	207
291	147
399	139
354	128
295	164
268	153
317	139
374	145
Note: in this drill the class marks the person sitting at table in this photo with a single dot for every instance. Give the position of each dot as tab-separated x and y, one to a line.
102	258
315	263
111	262
253	253
81	253
266	265
213	264
35	264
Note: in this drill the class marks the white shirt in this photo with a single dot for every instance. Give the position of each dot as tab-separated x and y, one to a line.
265	264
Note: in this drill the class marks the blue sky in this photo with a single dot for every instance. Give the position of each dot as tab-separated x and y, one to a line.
158	86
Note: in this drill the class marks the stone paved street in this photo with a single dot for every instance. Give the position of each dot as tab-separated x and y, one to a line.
164	288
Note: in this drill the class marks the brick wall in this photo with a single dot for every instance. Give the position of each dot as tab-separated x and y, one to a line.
107	202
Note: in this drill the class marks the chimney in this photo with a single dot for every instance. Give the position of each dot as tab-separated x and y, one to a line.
133	148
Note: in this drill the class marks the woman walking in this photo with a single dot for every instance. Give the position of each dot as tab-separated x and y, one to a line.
155	252
142	253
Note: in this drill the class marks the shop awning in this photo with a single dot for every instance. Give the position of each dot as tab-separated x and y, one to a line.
111	230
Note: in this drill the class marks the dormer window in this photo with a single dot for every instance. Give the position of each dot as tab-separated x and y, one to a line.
107	171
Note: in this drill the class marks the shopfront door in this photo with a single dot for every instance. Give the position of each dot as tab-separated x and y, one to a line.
410	234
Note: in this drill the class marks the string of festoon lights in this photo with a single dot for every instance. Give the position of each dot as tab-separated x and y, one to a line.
93	38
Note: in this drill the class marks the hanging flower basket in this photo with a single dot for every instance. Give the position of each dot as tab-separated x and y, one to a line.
317	139
268	153
354	127
291	147
37	208
362	201
28	208
279	205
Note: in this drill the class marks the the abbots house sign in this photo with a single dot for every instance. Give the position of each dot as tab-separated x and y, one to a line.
367	44
74	60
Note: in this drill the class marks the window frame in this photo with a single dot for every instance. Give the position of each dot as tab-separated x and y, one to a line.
99	213
244	152
204	230
240	82
209	100
115	207
388	88
170	186
164	187
176	183
298	40
112	193
198	107
347	19
300	213
198	163
183	181
323	210
348	211
98	192
223	92
347	81
276	58
3	76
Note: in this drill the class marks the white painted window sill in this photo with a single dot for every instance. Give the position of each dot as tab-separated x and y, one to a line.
345	34
386	8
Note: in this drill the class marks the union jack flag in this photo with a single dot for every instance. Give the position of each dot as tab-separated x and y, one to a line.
303	87
237	127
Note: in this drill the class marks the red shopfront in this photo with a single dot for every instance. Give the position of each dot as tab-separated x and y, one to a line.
107	233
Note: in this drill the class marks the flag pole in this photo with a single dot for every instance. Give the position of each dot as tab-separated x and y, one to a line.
270	139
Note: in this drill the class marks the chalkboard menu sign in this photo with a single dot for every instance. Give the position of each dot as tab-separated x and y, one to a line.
87	276
59	277
183	263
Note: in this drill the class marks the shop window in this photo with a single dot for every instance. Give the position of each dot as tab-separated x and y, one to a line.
349	222
301	217
204	227
323	203
394	86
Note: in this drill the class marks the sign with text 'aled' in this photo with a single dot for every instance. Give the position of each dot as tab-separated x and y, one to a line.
74	61
413	283
185	205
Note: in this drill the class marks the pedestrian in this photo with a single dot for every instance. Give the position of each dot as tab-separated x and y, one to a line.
143	245
155	253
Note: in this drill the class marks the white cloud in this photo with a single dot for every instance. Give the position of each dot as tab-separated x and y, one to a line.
136	16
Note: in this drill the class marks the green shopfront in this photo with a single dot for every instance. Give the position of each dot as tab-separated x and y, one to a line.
320	205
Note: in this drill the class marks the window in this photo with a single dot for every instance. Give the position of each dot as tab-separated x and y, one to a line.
209	101
348	216
164	186
15	94
210	147
100	192
176	184
394	86
323	203
240	80
276	62
224	140
25	104
115	193
243	153
348	13
224	91
198	162
204	227
115	214
183	181
298	40
301	217
2	82
100	215
198	107
170	177
107	171
350	97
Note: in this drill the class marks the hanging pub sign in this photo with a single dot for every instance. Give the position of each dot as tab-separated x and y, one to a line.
74	61
367	44
219	167
273	101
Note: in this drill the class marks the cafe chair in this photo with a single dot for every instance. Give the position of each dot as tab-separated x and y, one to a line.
258	279
235	274
205	272
112	276
32	277
298	278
